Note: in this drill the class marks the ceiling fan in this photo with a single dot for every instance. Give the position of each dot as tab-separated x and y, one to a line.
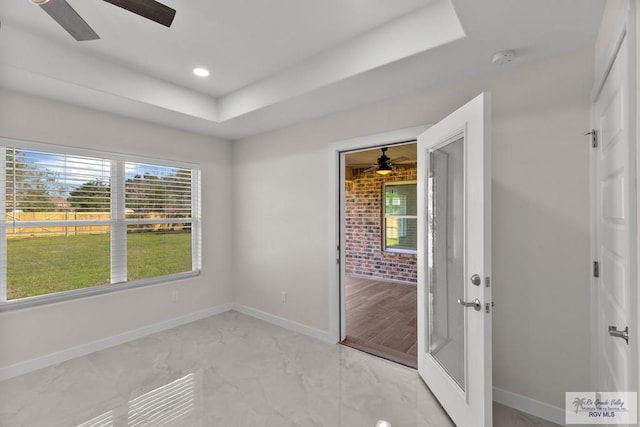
68	18
384	164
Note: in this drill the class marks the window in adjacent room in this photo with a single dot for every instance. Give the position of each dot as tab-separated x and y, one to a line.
400	218
79	222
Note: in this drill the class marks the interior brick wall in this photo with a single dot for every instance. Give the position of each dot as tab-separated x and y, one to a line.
363	227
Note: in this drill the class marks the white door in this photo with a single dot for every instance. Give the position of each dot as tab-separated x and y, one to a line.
454	255
614	212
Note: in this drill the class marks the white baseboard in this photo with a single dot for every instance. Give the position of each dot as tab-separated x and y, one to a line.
81	350
284	323
84	349
522	403
530	406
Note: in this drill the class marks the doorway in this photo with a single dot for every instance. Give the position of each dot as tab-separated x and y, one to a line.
379	227
468	403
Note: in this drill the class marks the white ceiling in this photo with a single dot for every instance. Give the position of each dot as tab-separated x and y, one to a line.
275	62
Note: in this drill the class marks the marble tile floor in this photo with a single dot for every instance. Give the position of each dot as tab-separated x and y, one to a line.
227	370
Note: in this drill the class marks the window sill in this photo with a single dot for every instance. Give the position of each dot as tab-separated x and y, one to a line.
401	251
34	301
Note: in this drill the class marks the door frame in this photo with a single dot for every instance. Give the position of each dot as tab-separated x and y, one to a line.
624	28
336	211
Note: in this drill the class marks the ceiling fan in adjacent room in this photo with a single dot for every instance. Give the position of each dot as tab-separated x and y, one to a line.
384	164
68	18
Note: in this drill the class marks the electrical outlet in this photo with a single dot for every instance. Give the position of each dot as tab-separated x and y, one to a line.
175	295
283	297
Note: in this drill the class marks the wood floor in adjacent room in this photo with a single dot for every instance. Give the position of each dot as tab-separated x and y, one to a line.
382	319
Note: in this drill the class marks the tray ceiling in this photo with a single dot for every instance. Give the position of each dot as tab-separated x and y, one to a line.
278	62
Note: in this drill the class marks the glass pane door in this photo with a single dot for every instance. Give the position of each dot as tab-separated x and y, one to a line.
445	241
454	255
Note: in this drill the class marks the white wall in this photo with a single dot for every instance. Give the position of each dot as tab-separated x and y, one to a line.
637	29
39	331
540	216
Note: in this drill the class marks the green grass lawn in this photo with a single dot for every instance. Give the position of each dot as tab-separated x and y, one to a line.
38	266
391	242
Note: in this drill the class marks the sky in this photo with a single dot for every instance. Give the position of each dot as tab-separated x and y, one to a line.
72	171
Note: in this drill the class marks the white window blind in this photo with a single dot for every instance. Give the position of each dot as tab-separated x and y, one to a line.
76	221
158	211
400	217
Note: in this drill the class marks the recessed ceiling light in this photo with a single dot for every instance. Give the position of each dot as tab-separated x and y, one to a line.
39	2
201	72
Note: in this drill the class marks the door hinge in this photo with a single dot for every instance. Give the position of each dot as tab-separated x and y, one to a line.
594	137
596	269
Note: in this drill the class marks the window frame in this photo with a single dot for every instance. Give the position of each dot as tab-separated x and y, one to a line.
386	216
118	224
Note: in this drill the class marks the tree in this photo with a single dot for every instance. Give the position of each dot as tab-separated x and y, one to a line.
92	196
167	194
180	193
29	186
144	193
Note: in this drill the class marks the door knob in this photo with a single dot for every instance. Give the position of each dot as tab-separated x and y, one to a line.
476	280
614	332
475	304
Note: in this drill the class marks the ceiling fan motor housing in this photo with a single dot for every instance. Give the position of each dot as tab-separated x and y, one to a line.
383	159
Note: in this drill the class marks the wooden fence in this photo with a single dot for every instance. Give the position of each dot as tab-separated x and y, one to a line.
75	230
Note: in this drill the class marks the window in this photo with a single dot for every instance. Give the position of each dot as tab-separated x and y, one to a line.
80	222
400	217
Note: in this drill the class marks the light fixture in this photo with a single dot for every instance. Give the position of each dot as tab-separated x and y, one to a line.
201	72
384	168
39	2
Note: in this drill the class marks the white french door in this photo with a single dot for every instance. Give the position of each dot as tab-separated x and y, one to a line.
454	255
